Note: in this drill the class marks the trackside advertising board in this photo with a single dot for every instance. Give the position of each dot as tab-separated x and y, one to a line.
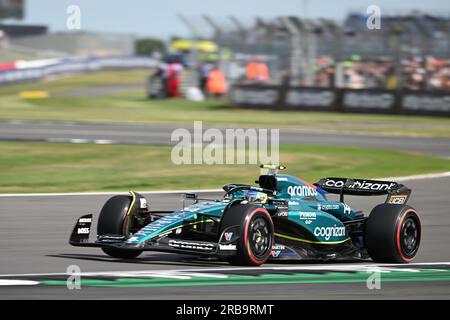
341	100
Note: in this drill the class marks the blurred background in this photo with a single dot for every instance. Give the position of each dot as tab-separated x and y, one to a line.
316	45
323	72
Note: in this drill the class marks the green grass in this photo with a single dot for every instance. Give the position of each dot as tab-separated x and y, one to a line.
7	55
132	106
60	85
47	167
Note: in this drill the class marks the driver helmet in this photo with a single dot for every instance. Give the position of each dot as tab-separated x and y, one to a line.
256	197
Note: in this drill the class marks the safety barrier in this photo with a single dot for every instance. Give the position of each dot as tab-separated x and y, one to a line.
341	100
22	71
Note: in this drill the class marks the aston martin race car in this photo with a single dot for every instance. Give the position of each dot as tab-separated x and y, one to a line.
282	217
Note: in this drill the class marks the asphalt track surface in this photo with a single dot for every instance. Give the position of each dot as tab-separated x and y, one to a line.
34	231
15	130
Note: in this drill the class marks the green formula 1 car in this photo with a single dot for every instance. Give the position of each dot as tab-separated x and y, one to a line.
281	218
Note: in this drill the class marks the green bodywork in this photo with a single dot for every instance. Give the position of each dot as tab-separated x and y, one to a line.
318	220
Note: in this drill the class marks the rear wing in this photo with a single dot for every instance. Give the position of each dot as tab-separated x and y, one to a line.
397	193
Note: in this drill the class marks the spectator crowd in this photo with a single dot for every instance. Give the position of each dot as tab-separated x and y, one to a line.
416	73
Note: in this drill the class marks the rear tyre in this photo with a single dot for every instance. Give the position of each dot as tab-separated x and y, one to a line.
255	233
392	233
113	219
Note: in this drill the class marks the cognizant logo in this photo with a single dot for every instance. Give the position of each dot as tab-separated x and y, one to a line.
329	232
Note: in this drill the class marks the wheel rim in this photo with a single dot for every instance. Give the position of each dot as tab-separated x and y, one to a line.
409	236
259	237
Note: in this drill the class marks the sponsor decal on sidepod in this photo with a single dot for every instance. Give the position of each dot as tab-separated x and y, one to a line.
325	207
329	232
301	191
308	217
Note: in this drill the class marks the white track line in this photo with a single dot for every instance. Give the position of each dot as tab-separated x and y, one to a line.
4	195
18	283
68	140
324	267
419	176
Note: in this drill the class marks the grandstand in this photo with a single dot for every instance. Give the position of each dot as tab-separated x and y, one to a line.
306	47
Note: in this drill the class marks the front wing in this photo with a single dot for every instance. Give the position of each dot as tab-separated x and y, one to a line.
81	234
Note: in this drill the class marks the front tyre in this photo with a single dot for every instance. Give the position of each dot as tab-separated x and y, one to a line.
392	233
114	219
256	233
